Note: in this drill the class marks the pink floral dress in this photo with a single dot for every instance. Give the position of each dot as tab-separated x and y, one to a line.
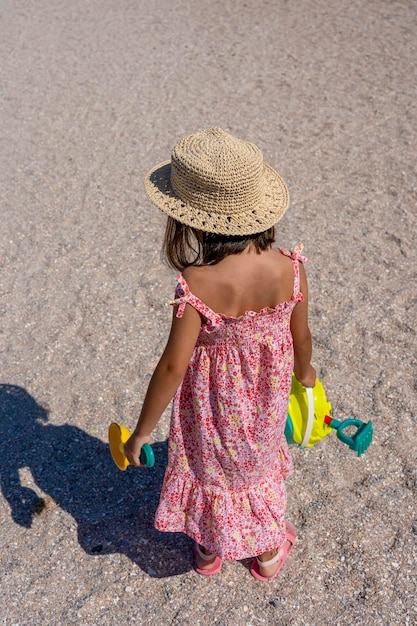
228	457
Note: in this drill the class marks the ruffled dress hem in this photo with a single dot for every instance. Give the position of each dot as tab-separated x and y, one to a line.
208	516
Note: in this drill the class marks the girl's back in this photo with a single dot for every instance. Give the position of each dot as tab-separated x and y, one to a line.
250	281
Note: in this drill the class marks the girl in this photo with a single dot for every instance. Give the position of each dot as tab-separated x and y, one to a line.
239	329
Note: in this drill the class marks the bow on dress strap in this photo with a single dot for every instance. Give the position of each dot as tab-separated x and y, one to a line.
184	296
183	293
295	254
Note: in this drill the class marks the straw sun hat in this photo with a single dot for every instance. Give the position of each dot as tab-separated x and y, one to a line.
218	184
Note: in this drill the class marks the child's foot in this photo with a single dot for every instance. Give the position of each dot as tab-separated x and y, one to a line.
206	563
273	558
268	564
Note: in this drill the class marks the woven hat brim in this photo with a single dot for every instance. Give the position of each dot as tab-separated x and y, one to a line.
274	202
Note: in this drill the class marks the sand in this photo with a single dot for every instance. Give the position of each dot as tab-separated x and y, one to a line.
94	93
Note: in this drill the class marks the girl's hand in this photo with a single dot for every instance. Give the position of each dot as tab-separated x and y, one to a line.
133	446
309	378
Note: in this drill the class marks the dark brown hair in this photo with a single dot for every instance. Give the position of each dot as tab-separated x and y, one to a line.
184	245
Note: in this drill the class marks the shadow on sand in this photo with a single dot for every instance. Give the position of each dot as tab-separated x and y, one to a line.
113	510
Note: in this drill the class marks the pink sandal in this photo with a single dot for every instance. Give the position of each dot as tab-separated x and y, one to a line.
217	563
282	555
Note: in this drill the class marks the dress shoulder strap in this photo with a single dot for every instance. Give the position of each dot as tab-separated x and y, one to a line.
296	256
184	296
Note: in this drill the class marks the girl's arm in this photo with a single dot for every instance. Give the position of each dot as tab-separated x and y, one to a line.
303	370
166	378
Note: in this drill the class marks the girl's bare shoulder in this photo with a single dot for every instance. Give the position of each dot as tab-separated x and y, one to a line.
196	272
200	277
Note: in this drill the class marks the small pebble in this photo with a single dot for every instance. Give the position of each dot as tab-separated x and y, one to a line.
97	548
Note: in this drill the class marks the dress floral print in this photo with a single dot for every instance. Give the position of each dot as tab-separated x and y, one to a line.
228	457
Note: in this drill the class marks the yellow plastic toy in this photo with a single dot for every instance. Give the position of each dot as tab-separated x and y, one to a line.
118	435
308	420
306	411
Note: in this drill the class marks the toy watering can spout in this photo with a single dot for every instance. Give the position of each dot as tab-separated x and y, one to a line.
359	440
